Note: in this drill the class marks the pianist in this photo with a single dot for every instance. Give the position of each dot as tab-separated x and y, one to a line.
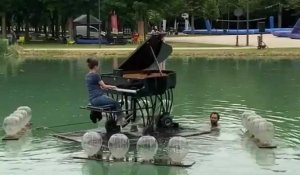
96	88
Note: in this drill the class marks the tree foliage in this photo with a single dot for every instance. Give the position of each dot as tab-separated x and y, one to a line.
54	14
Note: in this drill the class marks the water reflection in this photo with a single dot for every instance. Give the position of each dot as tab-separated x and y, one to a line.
263	157
125	168
93	168
10	66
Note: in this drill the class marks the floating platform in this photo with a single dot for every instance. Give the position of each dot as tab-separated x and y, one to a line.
133	136
184	164
19	134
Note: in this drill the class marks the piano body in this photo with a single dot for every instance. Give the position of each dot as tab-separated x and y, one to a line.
144	90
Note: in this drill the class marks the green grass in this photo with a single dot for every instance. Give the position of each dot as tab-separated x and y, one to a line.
268	54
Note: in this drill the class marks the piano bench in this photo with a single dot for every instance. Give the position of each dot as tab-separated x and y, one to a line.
97	111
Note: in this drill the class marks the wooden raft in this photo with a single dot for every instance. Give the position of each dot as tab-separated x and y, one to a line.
133	136
157	162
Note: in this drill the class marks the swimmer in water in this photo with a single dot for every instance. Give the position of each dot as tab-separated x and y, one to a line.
214	119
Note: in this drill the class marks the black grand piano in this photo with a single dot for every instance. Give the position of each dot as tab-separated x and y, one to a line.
143	88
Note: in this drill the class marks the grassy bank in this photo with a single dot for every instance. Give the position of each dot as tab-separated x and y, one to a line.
252	53
180	49
33	45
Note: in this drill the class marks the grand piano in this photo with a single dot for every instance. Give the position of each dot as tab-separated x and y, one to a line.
143	88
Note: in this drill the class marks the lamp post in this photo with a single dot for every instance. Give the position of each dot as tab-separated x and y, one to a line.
99	31
280	15
88	19
247	39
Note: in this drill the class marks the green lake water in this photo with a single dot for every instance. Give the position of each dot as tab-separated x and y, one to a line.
55	90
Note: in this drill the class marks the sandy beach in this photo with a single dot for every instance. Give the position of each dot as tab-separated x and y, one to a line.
270	40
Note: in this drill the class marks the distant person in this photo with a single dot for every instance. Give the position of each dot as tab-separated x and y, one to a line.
214	119
96	88
154	31
14	36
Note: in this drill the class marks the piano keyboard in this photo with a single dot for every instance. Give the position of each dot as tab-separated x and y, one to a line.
126	90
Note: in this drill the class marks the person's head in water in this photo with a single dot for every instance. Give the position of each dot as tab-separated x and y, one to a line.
214	118
93	64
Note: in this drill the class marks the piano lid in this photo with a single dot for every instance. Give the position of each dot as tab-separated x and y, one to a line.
142	58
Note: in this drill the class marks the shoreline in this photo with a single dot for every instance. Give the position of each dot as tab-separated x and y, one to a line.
178	52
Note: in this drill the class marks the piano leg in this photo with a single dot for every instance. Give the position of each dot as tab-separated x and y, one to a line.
126	104
134	100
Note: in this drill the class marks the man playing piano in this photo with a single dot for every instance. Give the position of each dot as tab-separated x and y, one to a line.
96	88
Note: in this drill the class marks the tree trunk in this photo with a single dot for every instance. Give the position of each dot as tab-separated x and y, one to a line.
26	29
52	27
141	28
36	29
88	24
192	22
56	24
70	27
45	31
63	23
18	28
3	26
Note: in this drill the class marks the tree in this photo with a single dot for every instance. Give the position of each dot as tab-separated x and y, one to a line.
4	8
294	5
211	10
194	8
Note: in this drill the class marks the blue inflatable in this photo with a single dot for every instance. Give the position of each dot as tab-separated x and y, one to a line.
91	41
280	33
295	34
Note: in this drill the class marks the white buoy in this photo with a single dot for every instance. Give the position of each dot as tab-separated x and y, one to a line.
256	125
22	119
27	109
266	133
147	147
245	115
91	143
118	145
250	119
11	125
252	123
23	116
177	149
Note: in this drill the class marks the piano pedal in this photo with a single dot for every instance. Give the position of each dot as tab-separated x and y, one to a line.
95	116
